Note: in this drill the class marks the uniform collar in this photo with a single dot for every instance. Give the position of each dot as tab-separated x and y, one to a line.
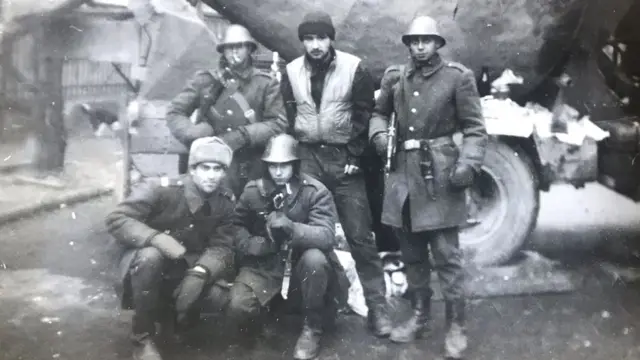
427	68
195	197
243	74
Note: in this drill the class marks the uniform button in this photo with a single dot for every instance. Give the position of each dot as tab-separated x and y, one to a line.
415	93
414	110
229	112
190	226
410	128
179	182
228	129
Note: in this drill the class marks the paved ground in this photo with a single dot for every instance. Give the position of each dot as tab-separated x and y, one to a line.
56	303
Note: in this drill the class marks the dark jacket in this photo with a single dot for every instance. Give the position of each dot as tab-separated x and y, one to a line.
439	100
362	93
173	207
224	116
312	210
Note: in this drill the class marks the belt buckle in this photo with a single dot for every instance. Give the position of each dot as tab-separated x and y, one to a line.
411	144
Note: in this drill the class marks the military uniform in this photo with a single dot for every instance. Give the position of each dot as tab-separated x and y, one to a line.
172	207
421	198
244	108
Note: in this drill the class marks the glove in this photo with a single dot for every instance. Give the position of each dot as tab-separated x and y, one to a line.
188	292
280	224
168	246
258	246
462	176
235	139
380	144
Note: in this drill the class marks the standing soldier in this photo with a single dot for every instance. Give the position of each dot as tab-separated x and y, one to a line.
288	223
425	193
236	102
177	238
329	99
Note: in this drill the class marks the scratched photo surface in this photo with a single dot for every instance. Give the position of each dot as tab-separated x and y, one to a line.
320	179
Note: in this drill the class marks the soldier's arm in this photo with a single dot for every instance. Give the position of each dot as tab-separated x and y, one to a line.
126	223
246	242
219	256
384	106
362	98
289	101
273	116
319	231
471	121
183	106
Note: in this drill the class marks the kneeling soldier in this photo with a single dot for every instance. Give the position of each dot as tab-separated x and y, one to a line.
177	238
288	223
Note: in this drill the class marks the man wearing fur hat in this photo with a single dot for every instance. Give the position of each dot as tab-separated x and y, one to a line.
236	102
177	240
328	96
424	197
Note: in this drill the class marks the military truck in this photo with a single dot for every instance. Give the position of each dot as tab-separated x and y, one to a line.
543	43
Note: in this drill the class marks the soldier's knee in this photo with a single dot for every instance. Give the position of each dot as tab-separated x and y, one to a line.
147	259
313	260
243	302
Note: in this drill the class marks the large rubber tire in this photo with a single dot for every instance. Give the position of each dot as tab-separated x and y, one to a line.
505	201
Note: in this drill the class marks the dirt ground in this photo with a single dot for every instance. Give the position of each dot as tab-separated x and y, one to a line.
56	300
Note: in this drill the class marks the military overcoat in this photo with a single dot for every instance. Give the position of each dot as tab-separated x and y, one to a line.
431	103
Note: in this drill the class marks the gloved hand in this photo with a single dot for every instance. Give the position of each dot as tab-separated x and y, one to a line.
462	176
168	246
235	139
189	291
280	224
380	144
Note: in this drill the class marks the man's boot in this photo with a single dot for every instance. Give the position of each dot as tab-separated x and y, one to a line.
146	349
455	342
378	320
418	324
308	344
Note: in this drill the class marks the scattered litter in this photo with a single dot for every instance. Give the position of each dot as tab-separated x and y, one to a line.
59	333
93	262
3	265
37	298
506	278
587	343
75	28
73	215
625	331
606	314
71	243
50	320
63	205
7	158
55	356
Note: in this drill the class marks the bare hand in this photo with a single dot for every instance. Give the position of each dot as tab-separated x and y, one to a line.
351	169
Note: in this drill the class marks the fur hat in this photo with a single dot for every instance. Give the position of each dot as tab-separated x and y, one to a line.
210	149
317	23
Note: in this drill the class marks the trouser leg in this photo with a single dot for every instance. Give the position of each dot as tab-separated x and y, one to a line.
146	281
243	310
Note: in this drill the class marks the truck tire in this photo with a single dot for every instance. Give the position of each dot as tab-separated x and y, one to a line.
503	206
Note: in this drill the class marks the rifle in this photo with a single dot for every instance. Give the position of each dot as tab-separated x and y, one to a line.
391	145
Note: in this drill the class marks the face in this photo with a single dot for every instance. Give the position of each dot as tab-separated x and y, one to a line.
317	46
281	173
422	48
237	55
208	175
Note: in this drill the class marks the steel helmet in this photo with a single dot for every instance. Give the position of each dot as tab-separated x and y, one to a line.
236	34
281	148
423	26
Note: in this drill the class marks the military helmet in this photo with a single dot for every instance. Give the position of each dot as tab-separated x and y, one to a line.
281	148
236	34
423	26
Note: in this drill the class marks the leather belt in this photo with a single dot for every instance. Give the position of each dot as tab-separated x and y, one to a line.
416	144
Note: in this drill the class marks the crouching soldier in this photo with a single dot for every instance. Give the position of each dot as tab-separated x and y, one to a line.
287	237
178	244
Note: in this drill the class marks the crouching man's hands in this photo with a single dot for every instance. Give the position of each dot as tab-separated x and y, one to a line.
189	291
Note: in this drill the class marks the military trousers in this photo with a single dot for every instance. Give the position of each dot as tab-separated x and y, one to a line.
312	290
444	246
327	163
152	279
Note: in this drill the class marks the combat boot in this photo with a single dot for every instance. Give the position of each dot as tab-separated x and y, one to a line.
378	320
455	342
146	349
308	344
417	325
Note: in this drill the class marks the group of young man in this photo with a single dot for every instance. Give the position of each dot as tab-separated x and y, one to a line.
273	166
